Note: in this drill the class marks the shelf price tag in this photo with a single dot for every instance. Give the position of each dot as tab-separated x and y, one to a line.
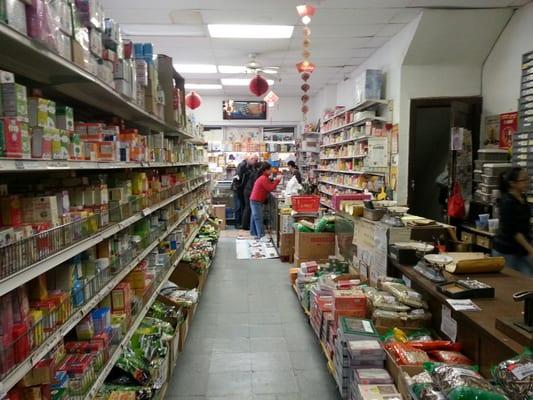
146	211
19	164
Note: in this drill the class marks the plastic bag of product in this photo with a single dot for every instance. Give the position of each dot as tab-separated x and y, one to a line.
387	302
515	376
405	294
463	383
394	335
134	365
325	224
164	327
431	345
422	386
420	335
450	357
417	318
407	355
300	227
388	279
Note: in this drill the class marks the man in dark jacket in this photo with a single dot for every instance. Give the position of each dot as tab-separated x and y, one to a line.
238	191
248	181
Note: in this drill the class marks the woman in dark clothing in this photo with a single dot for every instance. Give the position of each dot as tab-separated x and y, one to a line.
513	240
293	168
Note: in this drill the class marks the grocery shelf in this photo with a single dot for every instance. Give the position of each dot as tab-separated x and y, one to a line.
32	60
102	375
325	192
343	157
22	369
338	171
17	165
32	271
359	122
341	185
357	139
365	104
326	204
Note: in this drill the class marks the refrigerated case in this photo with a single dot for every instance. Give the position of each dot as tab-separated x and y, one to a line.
222	194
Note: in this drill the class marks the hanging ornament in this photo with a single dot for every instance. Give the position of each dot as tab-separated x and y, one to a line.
307	32
305	98
258	85
306	54
305	76
271	98
305	87
305	109
306	43
305	12
305	66
193	100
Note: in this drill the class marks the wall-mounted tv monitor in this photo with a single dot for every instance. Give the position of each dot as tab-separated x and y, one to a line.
244	110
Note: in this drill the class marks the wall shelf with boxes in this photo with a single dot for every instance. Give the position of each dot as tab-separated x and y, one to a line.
103	190
308	151
355	142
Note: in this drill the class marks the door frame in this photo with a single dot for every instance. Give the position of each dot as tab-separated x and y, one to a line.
475	101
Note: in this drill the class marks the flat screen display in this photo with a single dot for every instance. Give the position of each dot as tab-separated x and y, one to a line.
244	110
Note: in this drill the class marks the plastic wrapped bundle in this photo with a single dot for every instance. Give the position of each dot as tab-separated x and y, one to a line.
515	376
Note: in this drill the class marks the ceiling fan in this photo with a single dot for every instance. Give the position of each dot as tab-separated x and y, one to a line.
253	66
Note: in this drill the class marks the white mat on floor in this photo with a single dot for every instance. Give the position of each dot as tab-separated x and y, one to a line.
254	250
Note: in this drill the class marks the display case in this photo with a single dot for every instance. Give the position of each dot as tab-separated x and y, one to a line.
222	194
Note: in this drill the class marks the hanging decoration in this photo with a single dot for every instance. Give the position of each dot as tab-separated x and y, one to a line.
305	68
258	85
193	100
271	98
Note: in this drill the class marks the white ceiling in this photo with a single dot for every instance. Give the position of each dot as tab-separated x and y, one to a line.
344	33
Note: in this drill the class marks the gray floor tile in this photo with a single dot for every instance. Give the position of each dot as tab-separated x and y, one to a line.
271	382
230	362
265	361
229	384
270	344
250	339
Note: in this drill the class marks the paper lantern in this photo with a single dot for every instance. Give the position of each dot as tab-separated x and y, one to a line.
305	10
305	66
258	85
193	100
271	99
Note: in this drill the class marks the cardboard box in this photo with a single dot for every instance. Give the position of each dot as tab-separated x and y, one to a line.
14	100
12	128
220	213
404	373
45	210
314	245
298	261
396	370
286	244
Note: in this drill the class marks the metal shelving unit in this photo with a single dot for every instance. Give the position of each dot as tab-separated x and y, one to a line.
364	105
22	369
102	375
357	139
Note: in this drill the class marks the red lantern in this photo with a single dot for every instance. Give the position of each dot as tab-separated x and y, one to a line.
258	85
305	10
193	100
305	66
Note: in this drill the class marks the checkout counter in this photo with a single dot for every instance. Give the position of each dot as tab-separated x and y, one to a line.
489	335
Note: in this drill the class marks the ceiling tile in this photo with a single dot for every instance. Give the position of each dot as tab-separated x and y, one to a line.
390	30
405	16
352	16
333	31
461	3
263	17
377	41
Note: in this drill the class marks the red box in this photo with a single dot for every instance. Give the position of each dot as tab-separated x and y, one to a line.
336	200
13	137
305	204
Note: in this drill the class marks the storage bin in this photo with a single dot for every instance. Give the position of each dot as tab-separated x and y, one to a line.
305	204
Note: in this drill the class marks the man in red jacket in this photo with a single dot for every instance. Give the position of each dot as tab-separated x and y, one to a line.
262	187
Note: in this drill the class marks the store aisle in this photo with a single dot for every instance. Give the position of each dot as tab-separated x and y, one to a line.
250	338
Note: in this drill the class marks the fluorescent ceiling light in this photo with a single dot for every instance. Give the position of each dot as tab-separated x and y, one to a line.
203	86
270	71
196	68
232	69
240	81
162	30
250	31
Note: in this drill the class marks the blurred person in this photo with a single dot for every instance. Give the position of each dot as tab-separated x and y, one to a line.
248	179
261	190
295	171
513	240
238	190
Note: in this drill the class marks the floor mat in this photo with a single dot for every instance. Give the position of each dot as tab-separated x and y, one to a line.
255	250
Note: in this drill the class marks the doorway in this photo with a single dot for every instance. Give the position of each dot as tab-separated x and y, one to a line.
429	149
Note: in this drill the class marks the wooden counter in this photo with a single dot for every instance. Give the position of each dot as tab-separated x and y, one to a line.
476	330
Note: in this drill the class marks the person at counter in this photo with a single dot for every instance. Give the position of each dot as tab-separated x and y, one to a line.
295	171
513	240
261	190
247	177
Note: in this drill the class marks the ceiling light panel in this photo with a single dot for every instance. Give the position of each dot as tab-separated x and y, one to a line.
232	69
250	31
196	68
203	86
240	81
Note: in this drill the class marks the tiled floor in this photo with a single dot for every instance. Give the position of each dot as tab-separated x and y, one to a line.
250	338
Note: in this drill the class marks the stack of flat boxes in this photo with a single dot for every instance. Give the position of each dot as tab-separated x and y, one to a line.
523	139
489	165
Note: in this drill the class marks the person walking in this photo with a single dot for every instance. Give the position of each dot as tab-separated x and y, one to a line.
238	190
513	240
248	180
261	190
